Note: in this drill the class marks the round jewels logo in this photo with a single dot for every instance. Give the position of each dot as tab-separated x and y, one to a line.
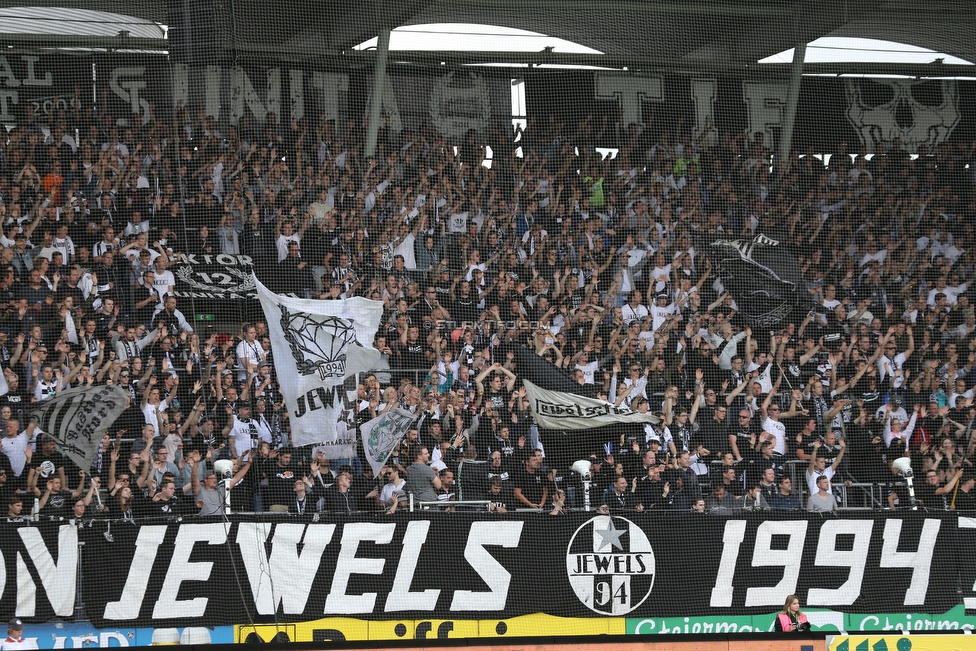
610	565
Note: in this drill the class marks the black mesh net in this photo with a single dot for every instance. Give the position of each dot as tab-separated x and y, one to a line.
345	339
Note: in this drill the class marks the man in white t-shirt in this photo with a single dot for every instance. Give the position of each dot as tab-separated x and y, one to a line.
240	430
661	311
771	424
286	236
404	243
392	493
135	248
15	444
249	353
897	410
583	363
64	244
634	310
164	282
818	466
891	361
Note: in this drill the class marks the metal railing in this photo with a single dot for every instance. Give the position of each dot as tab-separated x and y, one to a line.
446	504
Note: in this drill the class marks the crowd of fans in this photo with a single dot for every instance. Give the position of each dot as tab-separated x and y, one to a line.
589	261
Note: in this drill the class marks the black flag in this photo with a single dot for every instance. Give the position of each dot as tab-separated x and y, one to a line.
762	275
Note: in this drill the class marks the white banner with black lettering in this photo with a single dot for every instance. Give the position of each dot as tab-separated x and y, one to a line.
317	345
77	419
568	411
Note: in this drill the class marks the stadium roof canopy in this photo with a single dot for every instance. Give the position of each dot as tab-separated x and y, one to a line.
675	35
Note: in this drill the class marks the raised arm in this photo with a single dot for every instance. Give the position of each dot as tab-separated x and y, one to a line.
840	455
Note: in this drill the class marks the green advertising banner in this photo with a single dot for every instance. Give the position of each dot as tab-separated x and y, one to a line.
827	621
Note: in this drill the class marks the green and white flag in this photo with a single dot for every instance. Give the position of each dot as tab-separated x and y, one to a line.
382	434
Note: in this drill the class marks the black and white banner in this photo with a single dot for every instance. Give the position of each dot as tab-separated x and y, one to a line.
316	345
459	565
568	411
78	418
559	402
214	277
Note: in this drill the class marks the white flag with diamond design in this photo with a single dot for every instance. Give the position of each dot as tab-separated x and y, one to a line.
316	346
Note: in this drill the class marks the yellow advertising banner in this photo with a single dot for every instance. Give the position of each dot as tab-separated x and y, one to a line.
344	629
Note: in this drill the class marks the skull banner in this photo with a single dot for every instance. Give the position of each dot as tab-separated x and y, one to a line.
316	346
920	113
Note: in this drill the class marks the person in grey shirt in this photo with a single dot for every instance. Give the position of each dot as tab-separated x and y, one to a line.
210	495
421	478
822	500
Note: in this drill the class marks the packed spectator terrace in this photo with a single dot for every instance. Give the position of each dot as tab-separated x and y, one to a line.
593	262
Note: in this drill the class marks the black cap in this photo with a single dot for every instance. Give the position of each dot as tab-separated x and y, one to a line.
16	624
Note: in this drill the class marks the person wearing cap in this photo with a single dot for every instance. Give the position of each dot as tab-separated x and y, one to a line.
209	496
897	409
240	431
15	638
46	463
260	421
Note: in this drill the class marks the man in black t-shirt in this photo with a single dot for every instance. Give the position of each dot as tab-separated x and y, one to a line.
531	486
965	499
166	501
933	495
412	350
55	500
279	494
497	394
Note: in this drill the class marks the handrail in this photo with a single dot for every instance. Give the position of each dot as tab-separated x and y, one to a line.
440	504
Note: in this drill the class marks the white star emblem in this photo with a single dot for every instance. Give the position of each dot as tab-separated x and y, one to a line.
610	535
